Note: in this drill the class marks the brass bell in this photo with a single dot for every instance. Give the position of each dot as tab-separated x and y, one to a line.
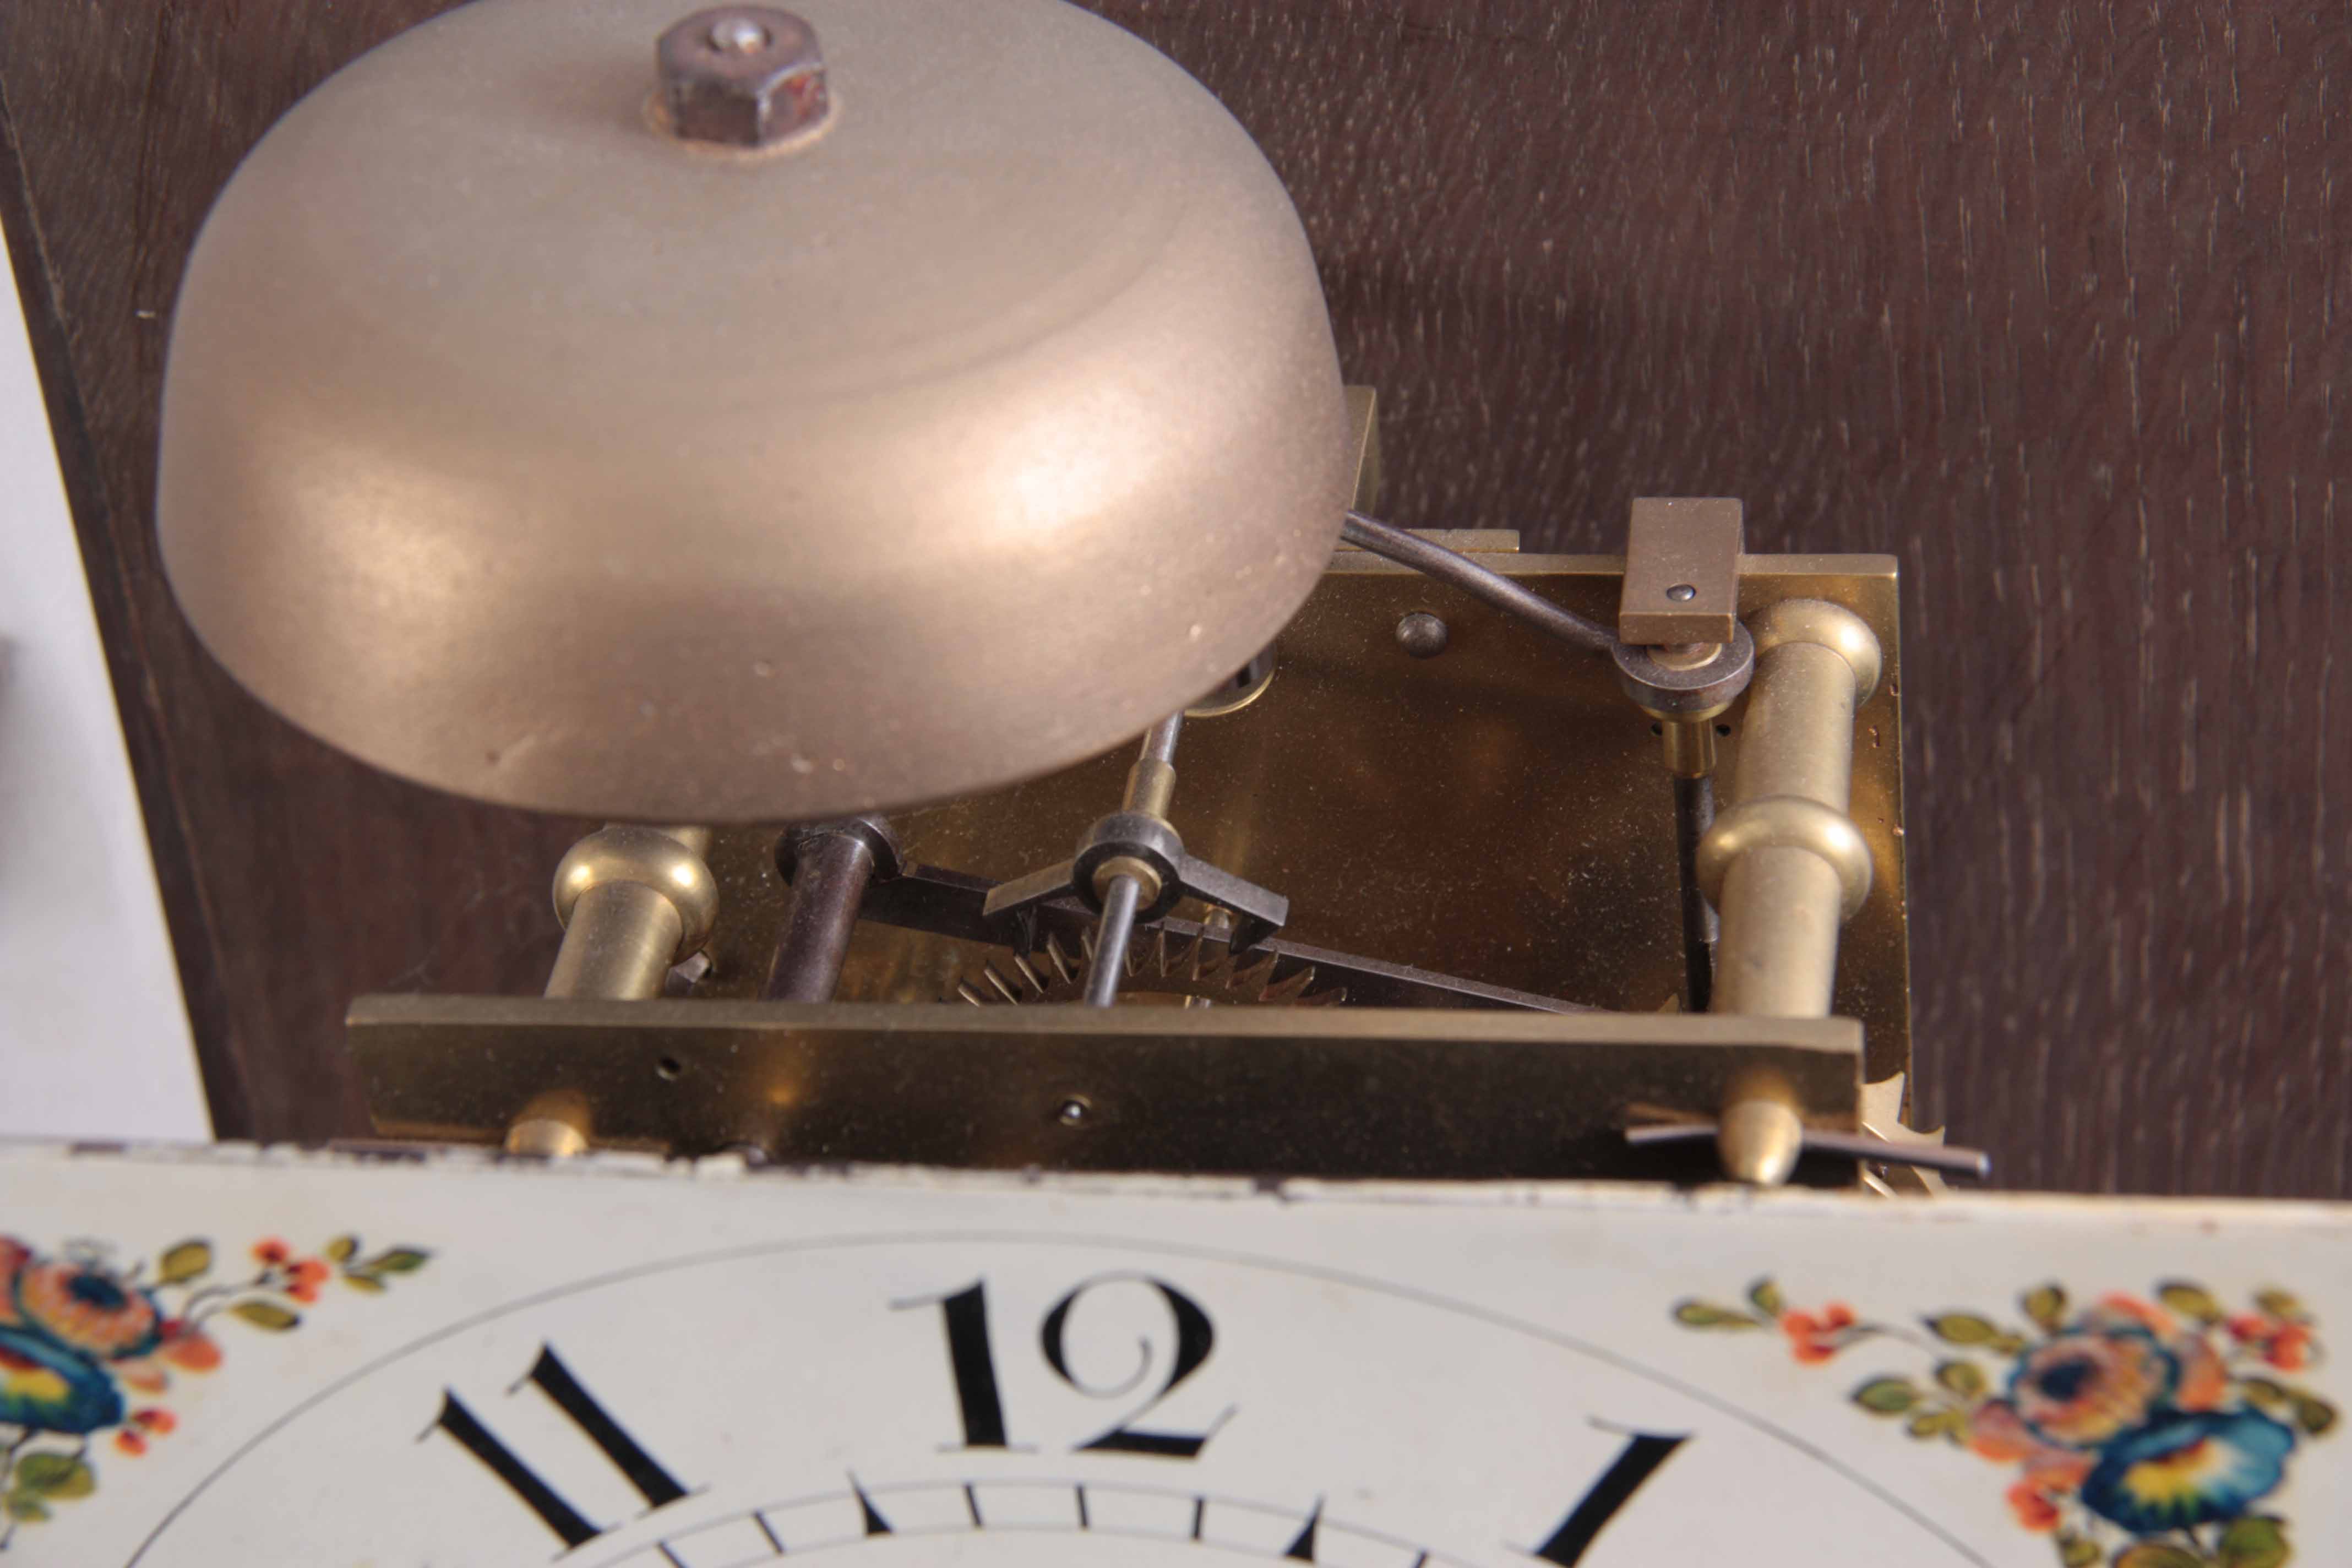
544	428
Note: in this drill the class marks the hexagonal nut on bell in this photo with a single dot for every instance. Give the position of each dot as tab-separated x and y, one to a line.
743	75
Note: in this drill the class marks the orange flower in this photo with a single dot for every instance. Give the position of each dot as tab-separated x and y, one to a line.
307	1275
2032	1506
2204	1380
2130	1309
189	1349
87	1307
142	1374
156	1420
2058	1471
2080	1388
2284	1343
2286	1351
272	1251
1996	1432
130	1442
1812	1339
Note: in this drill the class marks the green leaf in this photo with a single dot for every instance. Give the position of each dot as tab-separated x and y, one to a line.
266	1315
1766	1295
1963	1329
2263	1391
1964	1378
2006	1344
2189	1300
399	1260
2280	1304
2313	1415
1886	1396
2076	1552
368	1283
340	1250
184	1262
1937	1422
1706	1315
27	1506
2254	1542
55	1475
2156	1554
2046	1305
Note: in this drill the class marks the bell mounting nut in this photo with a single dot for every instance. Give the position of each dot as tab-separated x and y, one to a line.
743	75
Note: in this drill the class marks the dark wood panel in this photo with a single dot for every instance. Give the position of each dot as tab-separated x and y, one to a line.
2040	298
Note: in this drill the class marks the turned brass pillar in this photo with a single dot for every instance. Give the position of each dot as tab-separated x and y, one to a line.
1785	866
633	901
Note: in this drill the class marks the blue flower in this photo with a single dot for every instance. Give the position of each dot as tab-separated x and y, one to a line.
2181	1470
46	1387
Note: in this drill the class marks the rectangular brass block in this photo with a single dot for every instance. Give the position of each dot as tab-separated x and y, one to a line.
1681	573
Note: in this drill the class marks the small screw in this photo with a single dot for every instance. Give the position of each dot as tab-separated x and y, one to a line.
1682	591
1422	635
1073	1111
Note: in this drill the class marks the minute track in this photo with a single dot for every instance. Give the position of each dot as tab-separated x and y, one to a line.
1306	1531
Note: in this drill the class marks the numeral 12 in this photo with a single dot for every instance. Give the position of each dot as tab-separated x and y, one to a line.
971	1359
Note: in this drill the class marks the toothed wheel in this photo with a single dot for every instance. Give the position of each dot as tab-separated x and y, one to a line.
1164	972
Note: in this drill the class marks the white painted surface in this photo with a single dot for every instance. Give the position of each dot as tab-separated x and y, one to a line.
1373	1376
94	1038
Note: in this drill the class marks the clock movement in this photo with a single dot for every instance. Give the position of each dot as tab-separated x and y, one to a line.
1124	1009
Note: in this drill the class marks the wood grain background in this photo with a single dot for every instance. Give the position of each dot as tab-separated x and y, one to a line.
2041	298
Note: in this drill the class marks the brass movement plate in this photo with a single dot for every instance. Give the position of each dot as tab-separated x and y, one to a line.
1499	812
1336	1092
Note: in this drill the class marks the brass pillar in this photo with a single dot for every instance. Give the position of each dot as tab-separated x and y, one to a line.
1786	866
633	901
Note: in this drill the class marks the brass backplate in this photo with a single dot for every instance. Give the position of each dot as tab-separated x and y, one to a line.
1499	812
1331	1092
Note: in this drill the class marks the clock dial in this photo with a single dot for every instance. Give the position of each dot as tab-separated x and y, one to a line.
984	1399
620	1366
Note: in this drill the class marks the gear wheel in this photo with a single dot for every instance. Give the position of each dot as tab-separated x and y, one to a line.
1882	1116
1166	970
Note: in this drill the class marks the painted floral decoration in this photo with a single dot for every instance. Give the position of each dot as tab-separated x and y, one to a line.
88	1348
2141	1434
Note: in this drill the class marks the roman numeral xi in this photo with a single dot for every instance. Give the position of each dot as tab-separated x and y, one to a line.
553	1378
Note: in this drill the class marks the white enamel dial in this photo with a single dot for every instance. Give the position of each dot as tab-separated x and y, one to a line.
1022	1398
